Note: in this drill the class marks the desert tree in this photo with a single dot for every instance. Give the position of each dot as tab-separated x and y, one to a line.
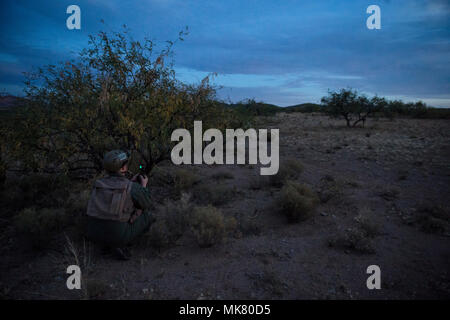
119	93
350	106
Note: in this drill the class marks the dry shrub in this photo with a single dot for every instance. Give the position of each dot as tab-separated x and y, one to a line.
297	201
170	225
75	208
258	182
359	237
249	225
178	179
222	175
368	223
330	189
158	235
269	281
290	169
354	239
209	226
185	179
77	202
273	283
37	190
40	225
161	176
432	218
213	193
96	288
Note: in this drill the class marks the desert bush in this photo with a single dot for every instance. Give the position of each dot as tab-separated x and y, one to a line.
354	239
213	193
273	283
351	106
185	179
209	226
77	202
40	225
158	236
38	190
367	223
171	222
432	218
2	171
297	201
75	208
175	214
413	109
360	236
330	189
119	94
177	178
222	175
255	108
96	288
290	169
356	108
160	176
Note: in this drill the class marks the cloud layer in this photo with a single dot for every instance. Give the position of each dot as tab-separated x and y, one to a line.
282	52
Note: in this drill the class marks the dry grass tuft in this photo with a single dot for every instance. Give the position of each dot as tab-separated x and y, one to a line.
297	201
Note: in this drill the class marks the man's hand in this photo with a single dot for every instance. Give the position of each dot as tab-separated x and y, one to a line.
143	180
135	177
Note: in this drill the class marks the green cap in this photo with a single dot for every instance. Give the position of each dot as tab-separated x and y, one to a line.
114	160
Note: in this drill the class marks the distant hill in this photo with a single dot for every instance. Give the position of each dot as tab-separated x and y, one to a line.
8	101
304	107
266	109
254	108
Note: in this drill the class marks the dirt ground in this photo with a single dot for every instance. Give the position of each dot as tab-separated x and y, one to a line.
392	177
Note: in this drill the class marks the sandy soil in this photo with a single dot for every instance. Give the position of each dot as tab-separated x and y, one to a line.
391	172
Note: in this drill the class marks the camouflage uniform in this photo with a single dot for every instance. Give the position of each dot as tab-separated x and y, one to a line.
116	233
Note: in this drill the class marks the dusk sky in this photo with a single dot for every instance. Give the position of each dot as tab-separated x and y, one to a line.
282	52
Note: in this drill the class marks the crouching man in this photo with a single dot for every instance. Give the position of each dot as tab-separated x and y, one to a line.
118	209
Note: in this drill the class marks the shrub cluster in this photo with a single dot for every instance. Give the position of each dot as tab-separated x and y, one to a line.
209	226
213	193
172	219
296	201
290	169
360	236
119	94
355	108
40	225
179	179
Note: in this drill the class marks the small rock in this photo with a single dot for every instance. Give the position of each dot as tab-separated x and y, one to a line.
201	297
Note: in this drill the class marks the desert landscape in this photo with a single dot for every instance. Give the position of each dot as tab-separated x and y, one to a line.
241	157
376	195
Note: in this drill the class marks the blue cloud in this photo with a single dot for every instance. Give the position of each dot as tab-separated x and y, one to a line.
283	52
